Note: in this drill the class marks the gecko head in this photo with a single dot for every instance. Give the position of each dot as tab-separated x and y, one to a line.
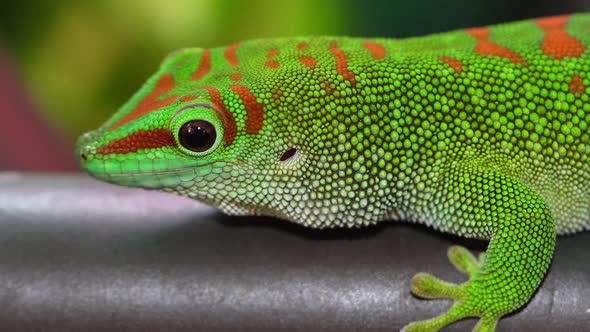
166	149
210	139
190	150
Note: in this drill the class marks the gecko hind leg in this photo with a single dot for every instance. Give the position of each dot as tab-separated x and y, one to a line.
521	232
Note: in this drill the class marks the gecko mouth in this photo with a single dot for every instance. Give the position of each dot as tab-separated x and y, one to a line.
142	173
156	179
164	177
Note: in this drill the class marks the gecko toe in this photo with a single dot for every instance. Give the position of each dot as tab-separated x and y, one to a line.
464	260
431	287
486	325
466	302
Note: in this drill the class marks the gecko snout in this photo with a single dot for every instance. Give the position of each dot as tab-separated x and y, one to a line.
85	148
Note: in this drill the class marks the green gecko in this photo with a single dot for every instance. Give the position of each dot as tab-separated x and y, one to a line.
482	133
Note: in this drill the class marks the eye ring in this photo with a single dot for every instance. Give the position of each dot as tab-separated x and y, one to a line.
198	130
197	135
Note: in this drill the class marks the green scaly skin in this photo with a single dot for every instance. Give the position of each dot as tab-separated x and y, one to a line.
482	133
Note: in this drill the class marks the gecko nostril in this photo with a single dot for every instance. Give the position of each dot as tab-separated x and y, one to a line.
86	146
84	154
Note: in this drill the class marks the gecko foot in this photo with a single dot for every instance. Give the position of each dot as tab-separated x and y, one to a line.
468	302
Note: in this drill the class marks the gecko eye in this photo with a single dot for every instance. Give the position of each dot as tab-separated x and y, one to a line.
197	135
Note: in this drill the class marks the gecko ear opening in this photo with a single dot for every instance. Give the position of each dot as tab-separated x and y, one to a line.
288	154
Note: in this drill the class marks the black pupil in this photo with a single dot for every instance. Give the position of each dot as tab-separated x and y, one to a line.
197	135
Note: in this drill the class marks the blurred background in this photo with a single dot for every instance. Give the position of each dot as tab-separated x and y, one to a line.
67	65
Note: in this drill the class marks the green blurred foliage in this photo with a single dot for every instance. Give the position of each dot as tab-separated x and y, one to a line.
82	59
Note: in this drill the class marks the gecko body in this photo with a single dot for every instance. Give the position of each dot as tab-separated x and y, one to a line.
481	132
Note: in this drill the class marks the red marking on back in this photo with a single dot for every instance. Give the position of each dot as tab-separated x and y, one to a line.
342	63
308	61
328	88
454	63
377	50
557	42
277	94
235	77
231	56
187	98
229	123
271	63
152	101
141	139
254	109
486	47
302	46
553	22
204	66
576	85
272	53
274	64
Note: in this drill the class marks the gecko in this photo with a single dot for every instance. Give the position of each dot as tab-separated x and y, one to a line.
480	132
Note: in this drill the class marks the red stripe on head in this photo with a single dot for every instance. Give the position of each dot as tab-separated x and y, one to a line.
141	139
342	63
377	50
557	42
152	101
486	47
229	123
308	61
254	109
187	98
231	55
204	66
454	63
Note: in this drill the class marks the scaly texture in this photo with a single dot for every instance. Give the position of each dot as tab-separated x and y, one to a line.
481	133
